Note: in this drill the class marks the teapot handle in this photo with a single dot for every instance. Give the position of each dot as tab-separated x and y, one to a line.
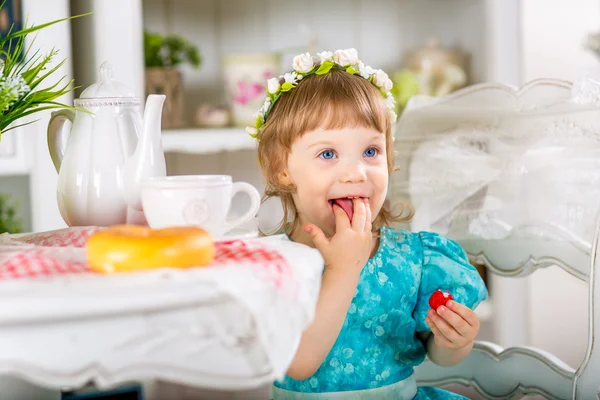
58	136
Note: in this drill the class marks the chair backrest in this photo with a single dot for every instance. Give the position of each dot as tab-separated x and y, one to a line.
514	177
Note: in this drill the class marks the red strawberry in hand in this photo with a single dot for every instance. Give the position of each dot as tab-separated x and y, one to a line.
439	298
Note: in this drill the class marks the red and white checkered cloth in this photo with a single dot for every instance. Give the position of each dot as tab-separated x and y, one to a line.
69	237
61	252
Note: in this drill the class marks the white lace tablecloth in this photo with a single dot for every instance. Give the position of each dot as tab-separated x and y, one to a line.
230	326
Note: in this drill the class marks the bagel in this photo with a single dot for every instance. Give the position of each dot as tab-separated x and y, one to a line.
124	248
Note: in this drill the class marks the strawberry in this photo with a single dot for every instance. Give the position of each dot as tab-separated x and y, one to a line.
439	298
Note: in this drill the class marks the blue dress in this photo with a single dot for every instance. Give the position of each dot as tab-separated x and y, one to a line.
378	344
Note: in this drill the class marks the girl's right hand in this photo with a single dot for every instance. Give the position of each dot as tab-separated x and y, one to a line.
345	255
350	248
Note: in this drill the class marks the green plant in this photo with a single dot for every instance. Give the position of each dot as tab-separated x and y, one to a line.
22	73
169	51
8	219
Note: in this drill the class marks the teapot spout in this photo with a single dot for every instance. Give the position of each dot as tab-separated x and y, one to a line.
153	116
148	159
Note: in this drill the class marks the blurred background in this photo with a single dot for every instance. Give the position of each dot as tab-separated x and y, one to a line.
213	57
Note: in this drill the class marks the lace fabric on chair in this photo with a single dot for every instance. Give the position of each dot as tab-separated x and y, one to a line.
492	163
514	177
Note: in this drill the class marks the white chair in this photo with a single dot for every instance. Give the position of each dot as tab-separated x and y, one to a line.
460	170
499	373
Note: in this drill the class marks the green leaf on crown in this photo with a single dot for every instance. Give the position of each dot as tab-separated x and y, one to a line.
324	68
286	87
259	122
351	70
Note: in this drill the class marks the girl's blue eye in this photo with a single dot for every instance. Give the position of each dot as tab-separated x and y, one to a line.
371	152
327	154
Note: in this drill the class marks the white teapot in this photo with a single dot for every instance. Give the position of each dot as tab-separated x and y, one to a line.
109	149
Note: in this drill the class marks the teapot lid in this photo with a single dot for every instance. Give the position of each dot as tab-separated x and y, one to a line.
107	86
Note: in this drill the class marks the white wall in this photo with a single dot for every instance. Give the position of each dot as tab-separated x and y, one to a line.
116	38
553	32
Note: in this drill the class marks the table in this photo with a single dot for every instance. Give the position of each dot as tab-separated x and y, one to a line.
211	328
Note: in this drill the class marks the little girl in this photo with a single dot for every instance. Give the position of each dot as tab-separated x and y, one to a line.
326	150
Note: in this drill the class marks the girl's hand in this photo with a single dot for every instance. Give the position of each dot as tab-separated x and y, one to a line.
345	255
454	326
351	246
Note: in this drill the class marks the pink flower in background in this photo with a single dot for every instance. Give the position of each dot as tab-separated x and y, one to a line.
247	91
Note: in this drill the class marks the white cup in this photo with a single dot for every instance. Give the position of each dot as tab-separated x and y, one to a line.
196	200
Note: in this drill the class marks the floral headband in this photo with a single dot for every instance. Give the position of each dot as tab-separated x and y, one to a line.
305	65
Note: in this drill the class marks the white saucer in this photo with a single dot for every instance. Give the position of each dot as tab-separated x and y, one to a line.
238	234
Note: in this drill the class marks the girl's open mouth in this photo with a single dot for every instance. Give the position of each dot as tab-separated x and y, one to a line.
346	204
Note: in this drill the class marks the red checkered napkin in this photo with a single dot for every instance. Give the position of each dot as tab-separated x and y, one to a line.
61	252
268	264
68	237
34	262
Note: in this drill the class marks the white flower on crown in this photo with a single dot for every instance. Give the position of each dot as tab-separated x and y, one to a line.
273	86
382	81
380	77
265	106
390	101
388	85
346	57
290	77
303	63
325	56
365	71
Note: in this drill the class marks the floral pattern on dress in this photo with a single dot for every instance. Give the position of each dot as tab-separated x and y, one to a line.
378	343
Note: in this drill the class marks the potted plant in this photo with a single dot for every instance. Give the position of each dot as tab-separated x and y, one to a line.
24	75
162	55
9	223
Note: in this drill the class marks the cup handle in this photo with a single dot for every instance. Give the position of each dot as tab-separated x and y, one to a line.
254	204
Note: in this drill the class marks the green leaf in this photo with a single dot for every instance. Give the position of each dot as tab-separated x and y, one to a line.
27	63
324	68
47	74
351	70
27	31
26	113
287	86
275	98
259	122
30	74
20	125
